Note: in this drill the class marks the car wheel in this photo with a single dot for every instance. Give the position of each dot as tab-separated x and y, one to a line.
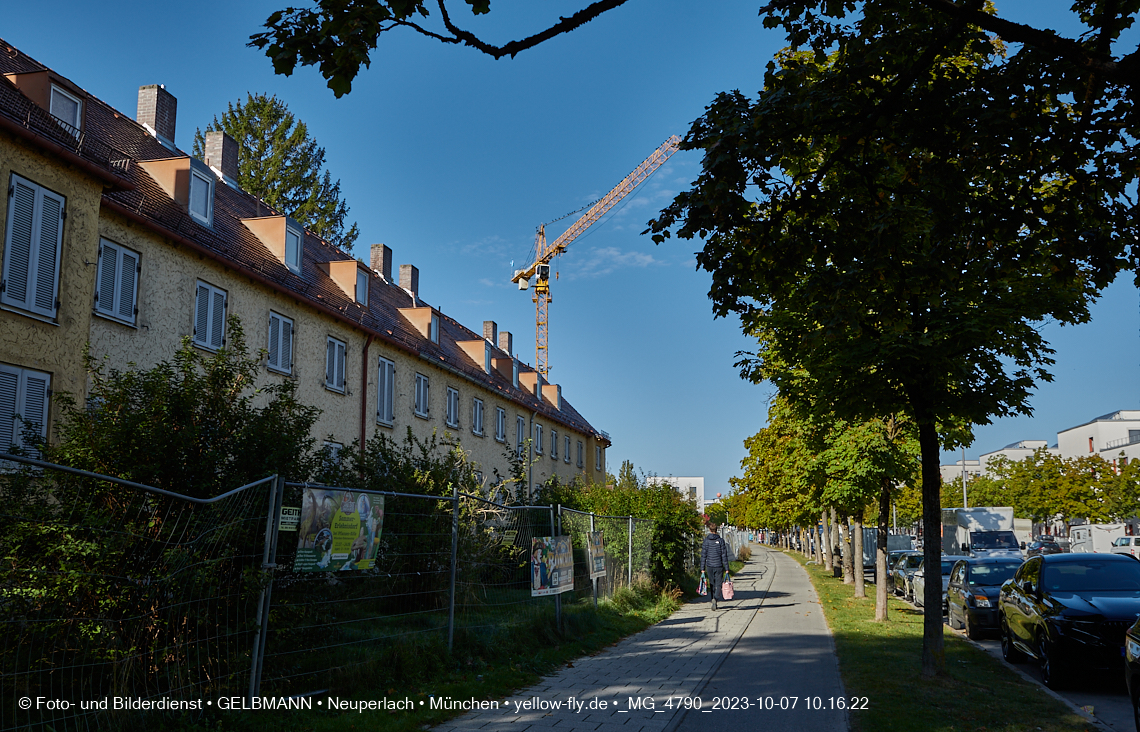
1051	672
1008	651
952	622
972	631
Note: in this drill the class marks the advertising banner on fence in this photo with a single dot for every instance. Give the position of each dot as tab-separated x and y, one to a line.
340	529
597	553
551	565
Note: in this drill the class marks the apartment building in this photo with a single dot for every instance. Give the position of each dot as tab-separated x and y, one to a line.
116	238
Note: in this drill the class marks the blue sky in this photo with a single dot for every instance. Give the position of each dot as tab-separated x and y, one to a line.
452	159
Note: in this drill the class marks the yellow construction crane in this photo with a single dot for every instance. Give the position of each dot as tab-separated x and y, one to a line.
540	268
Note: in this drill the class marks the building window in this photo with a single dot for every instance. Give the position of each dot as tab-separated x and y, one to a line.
452	407
520	433
24	398
1091	445
293	250
335	357
515	372
433	329
597	457
32	241
581	454
553	444
280	343
422	396
67	108
477	417
116	288
500	424
210	316
201	196
566	450
537	439
362	287
332	455
386	393
487	356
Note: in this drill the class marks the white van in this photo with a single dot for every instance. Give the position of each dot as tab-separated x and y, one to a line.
1126	545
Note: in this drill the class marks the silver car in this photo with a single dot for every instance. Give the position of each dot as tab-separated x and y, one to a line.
903	570
918	582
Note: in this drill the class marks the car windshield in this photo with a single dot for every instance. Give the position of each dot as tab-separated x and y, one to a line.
914	561
993	540
1089	576
992	574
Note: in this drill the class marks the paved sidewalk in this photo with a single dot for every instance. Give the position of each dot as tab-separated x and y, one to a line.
769	643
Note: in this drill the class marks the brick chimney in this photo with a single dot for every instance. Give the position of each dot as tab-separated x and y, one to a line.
410	279
382	261
506	343
222	154
490	331
158	110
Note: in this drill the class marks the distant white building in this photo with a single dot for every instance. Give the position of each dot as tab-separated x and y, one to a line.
1014	452
692	487
1112	436
953	473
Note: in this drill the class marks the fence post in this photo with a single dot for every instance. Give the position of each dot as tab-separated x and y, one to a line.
629	566
558	596
268	564
593	580
454	562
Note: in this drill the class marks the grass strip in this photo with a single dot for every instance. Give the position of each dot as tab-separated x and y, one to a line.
488	664
883	662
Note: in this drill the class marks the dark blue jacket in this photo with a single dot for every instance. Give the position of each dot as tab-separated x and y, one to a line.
714	552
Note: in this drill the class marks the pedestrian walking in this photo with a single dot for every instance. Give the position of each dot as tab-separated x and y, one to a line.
714	561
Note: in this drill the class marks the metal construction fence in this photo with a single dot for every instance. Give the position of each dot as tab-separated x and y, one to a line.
115	591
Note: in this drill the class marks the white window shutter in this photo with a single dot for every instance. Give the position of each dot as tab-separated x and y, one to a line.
217	318
35	406
47	259
18	249
274	345
202	314
105	288
128	285
287	345
330	363
341	352
9	387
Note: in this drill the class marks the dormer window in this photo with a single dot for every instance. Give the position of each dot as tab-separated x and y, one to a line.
515	372
293	249
434	333
362	287
201	204
67	108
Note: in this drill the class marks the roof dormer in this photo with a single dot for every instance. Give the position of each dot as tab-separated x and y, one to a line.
553	394
282	236
350	276
55	95
425	320
478	351
188	181
532	382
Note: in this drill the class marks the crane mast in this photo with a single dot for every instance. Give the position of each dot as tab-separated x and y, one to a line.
544	253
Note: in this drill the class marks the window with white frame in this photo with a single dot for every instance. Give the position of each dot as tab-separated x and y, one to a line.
386	393
500	424
117	278
24	396
433	329
477	416
422	396
209	316
566	450
293	243
332	454
514	372
581	454
487	355
201	195
553	444
280	343
32	239
336	353
538	439
597	457
452	407
520	433
67	108
362	287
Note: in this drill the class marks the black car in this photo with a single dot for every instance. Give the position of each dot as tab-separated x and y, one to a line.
972	595
1042	548
1132	669
1069	611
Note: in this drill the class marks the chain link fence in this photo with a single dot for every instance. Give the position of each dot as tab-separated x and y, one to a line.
112	590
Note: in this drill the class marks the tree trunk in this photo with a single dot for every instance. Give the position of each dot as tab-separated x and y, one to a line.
836	544
933	651
825	541
881	553
857	555
845	551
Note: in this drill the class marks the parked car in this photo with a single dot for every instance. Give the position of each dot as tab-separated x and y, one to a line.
1070	612
1129	545
972	593
1041	548
903	570
918	582
1132	669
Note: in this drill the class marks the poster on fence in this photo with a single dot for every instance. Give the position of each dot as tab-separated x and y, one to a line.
597	552
551	565
340	530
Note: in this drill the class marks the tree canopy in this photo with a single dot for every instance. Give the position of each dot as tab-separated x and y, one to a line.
281	164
